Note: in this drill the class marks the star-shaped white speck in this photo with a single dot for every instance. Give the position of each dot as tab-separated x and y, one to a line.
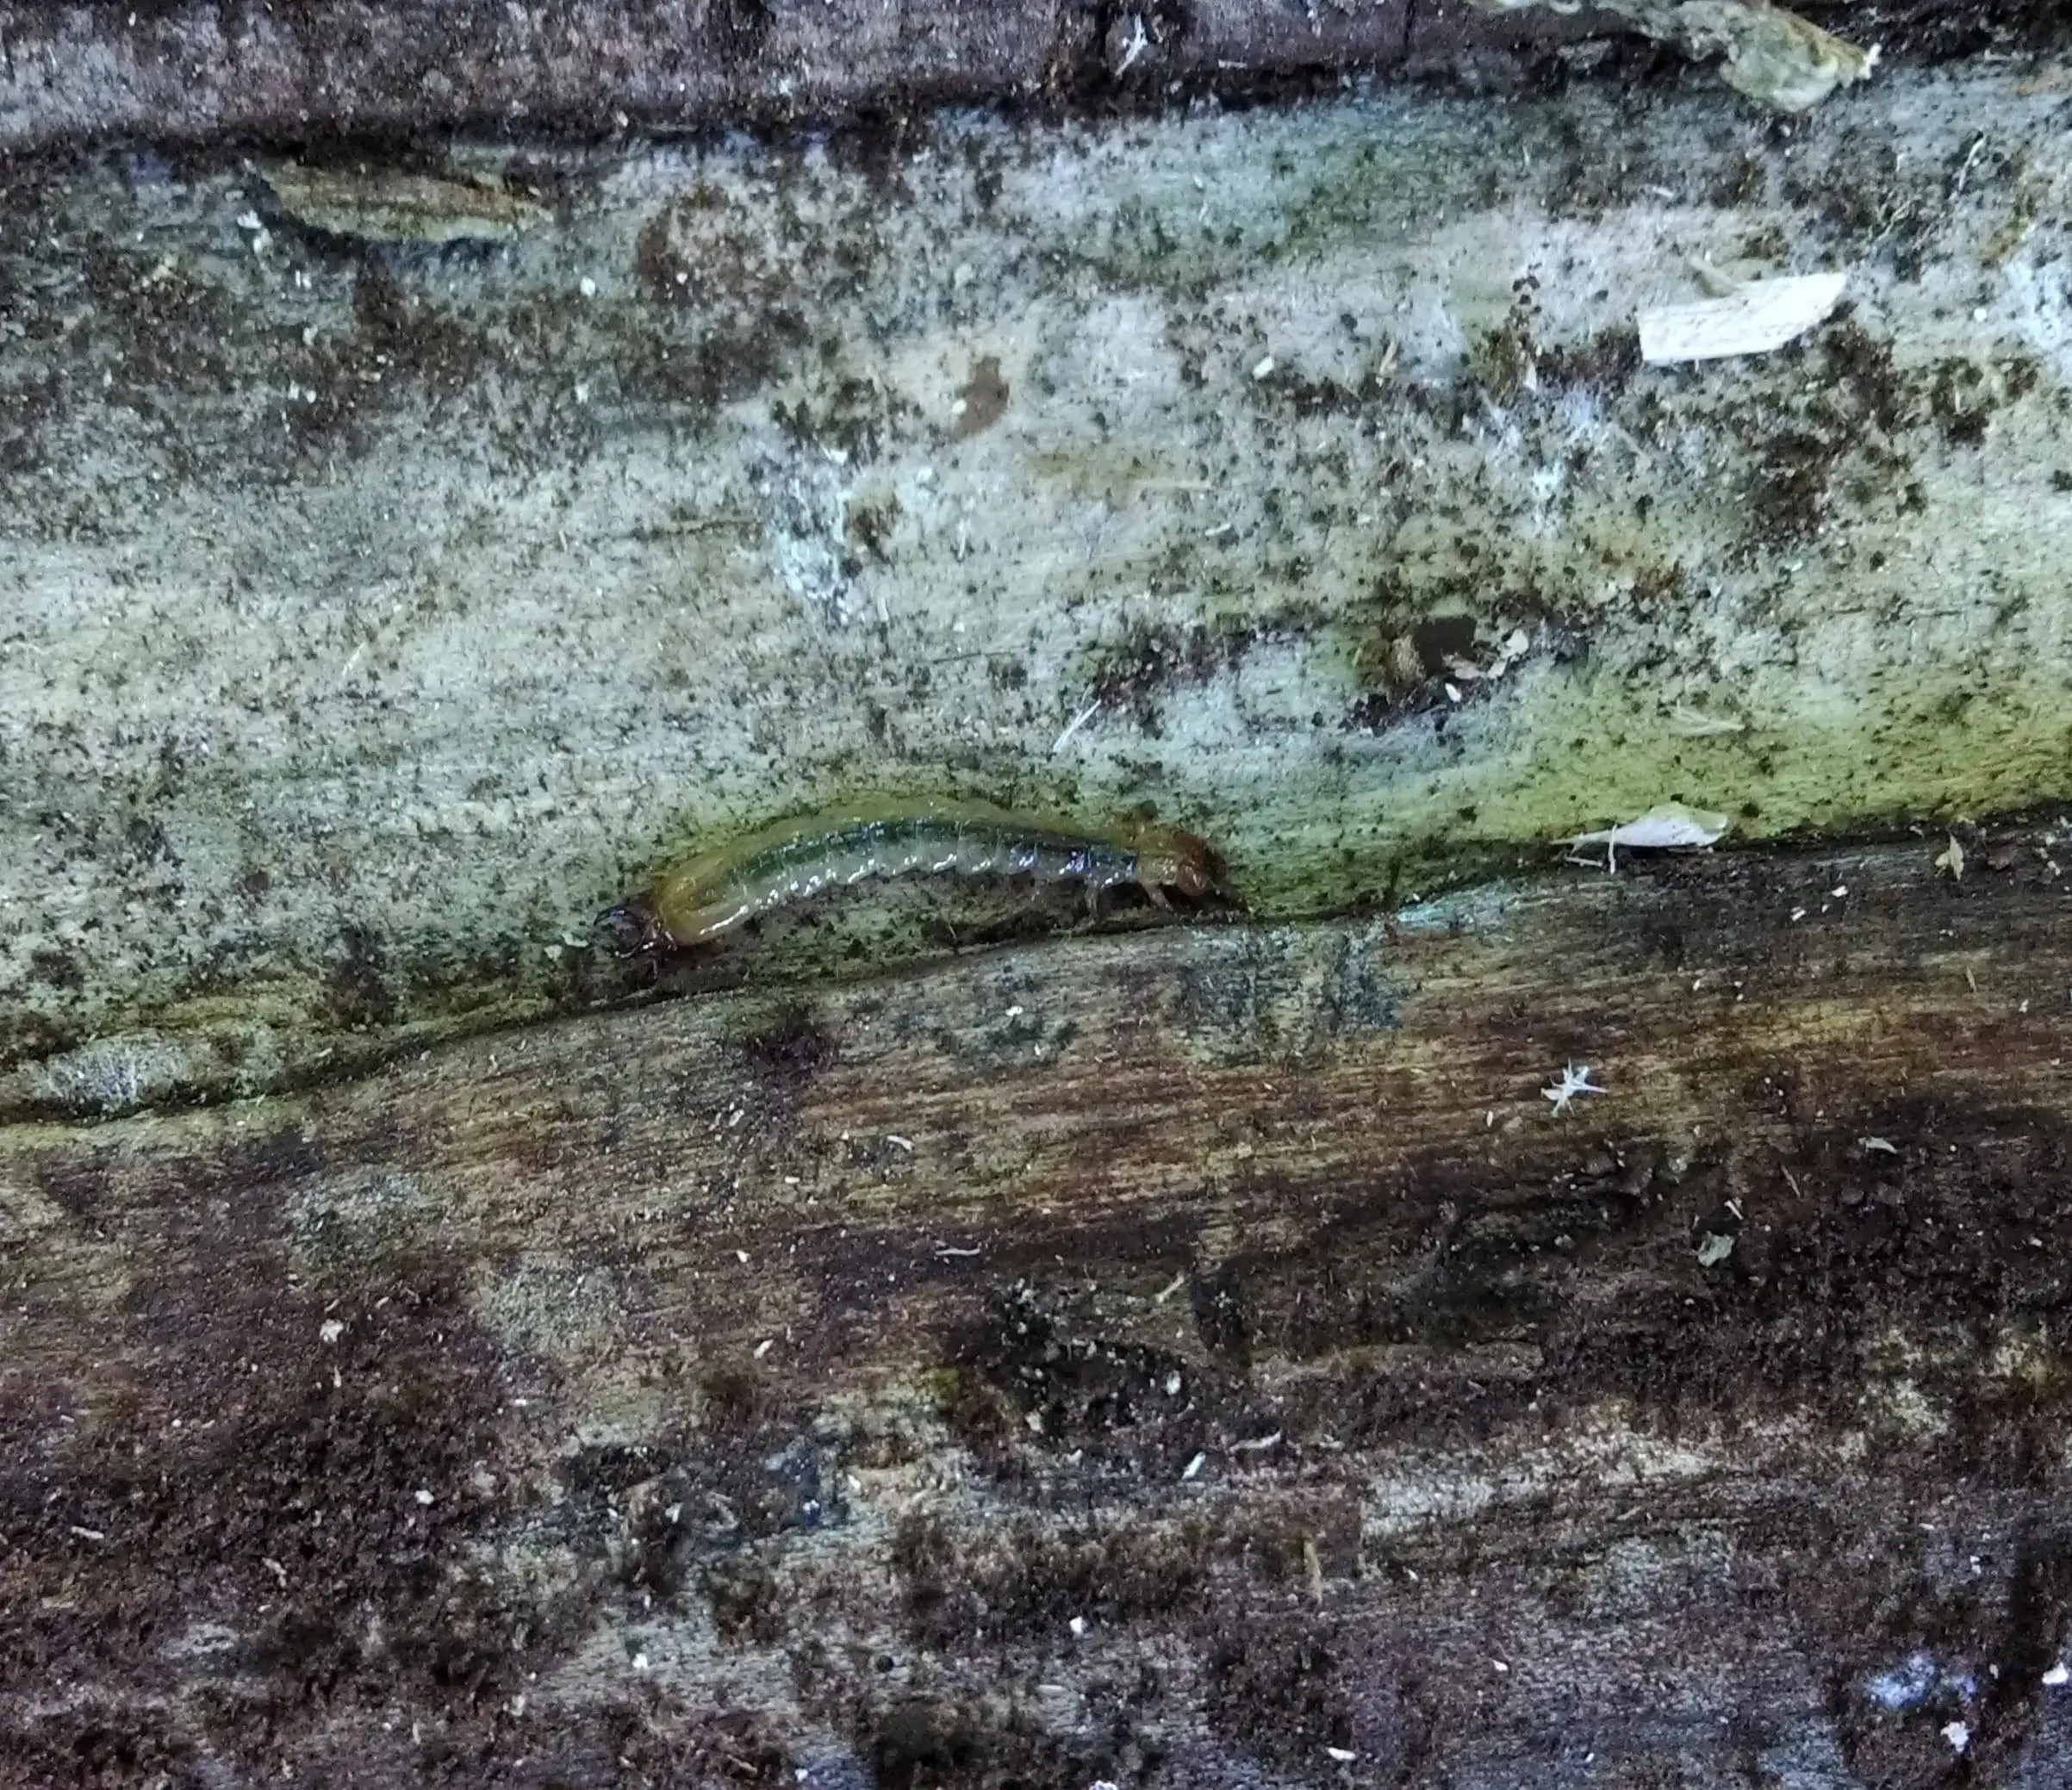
1575	1080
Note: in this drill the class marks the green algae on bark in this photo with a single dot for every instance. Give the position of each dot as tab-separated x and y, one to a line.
1324	508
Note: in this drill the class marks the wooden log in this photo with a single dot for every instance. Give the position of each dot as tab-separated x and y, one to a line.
375	612
367	71
902	1347
1200	1356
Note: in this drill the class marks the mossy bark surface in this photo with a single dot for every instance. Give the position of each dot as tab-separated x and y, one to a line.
925	1340
377	613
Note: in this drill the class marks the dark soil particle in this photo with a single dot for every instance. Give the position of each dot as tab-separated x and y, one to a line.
1286	1664
355	986
230	1472
1605	364
1145	660
787	1054
1931	31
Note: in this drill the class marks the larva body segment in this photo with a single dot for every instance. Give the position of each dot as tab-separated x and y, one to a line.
716	890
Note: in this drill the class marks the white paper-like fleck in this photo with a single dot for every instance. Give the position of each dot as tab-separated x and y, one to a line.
1756	319
1669	826
1575	1080
1666	828
2059	1673
1959	1734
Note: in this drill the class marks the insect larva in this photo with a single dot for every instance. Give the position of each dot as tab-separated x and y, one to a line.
714	890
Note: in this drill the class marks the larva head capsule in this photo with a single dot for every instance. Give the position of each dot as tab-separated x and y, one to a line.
629	928
1169	859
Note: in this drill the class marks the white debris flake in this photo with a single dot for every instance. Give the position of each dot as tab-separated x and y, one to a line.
1575	1080
423	1496
1194	1466
2059	1673
1343	1755
329	1331
1759	318
1264	368
1959	1734
1669	826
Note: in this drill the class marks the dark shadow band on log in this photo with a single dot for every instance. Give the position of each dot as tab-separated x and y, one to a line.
308	75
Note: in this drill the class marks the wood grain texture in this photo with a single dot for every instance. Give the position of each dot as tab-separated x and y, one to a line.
372	614
1164	1357
322	70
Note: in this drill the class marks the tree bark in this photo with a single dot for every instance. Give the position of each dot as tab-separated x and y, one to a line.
1198	1357
362	71
379	611
324	71
925	1340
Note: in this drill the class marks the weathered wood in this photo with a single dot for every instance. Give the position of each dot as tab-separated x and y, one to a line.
1160	1359
370	70
372	614
1182	1355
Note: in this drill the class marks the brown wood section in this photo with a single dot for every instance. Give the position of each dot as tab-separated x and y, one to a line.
316	71
1197	1357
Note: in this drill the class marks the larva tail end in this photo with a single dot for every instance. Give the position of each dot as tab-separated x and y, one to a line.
630	928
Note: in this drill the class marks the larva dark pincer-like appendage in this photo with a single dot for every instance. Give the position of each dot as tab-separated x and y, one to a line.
714	890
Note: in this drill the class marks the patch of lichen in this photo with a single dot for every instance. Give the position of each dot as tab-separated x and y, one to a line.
1278	587
1565	743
